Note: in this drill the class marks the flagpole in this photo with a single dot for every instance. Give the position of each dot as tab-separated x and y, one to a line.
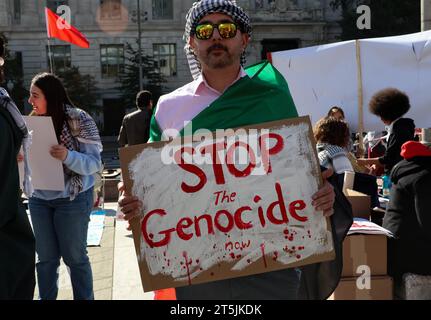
50	57
48	35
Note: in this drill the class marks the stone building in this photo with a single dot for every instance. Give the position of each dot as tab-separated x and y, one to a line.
109	24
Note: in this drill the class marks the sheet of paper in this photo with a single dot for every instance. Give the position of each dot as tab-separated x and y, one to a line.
47	172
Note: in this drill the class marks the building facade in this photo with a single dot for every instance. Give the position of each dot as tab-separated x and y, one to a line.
109	24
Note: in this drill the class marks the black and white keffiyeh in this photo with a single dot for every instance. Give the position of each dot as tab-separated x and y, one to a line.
79	128
7	103
328	152
204	7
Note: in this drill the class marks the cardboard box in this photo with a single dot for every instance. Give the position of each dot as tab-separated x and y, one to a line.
365	250
378	288
361	203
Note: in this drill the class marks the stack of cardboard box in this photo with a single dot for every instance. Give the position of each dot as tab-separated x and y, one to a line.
364	275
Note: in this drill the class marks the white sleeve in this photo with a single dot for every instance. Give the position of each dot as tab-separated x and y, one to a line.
341	164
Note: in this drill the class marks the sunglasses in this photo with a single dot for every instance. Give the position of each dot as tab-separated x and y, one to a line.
226	30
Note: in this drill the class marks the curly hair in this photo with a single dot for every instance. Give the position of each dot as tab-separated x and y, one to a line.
333	131
389	104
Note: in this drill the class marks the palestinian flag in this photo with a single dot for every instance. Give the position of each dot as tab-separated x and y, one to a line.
262	97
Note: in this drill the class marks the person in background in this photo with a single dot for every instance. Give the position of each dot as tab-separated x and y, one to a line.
17	244
60	218
136	125
336	112
408	214
332	136
390	105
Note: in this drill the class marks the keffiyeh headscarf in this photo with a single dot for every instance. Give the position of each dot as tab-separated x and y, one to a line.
79	127
7	103
204	7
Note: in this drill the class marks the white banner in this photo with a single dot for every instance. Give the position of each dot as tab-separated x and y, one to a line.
323	76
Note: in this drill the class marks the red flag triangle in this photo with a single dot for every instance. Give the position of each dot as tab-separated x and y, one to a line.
66	32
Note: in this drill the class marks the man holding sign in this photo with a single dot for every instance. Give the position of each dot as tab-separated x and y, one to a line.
223	95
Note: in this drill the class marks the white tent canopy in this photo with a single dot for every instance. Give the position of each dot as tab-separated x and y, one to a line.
323	76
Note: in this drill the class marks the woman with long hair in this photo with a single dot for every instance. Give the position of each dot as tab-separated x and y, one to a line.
60	218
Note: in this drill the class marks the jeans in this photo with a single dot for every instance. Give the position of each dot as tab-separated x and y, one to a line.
60	228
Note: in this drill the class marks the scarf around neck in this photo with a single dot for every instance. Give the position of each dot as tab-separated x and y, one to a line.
79	127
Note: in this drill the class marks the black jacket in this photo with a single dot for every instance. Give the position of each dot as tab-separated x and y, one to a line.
17	244
408	216
403	130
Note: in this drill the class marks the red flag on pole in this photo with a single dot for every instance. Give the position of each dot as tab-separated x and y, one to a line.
66	32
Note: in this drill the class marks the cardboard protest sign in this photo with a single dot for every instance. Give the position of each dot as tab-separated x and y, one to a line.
228	204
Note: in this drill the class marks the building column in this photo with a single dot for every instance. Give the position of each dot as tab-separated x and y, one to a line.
425	15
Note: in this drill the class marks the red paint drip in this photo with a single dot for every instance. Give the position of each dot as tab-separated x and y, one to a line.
275	256
232	255
262	247
187	266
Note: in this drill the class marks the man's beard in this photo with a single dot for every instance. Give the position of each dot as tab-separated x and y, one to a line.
218	62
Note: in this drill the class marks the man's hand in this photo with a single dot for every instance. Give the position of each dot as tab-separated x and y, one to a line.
324	199
59	152
130	206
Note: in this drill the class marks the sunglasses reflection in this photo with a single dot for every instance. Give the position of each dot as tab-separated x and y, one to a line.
226	30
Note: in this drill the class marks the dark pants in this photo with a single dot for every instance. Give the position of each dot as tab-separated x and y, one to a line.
17	259
275	285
